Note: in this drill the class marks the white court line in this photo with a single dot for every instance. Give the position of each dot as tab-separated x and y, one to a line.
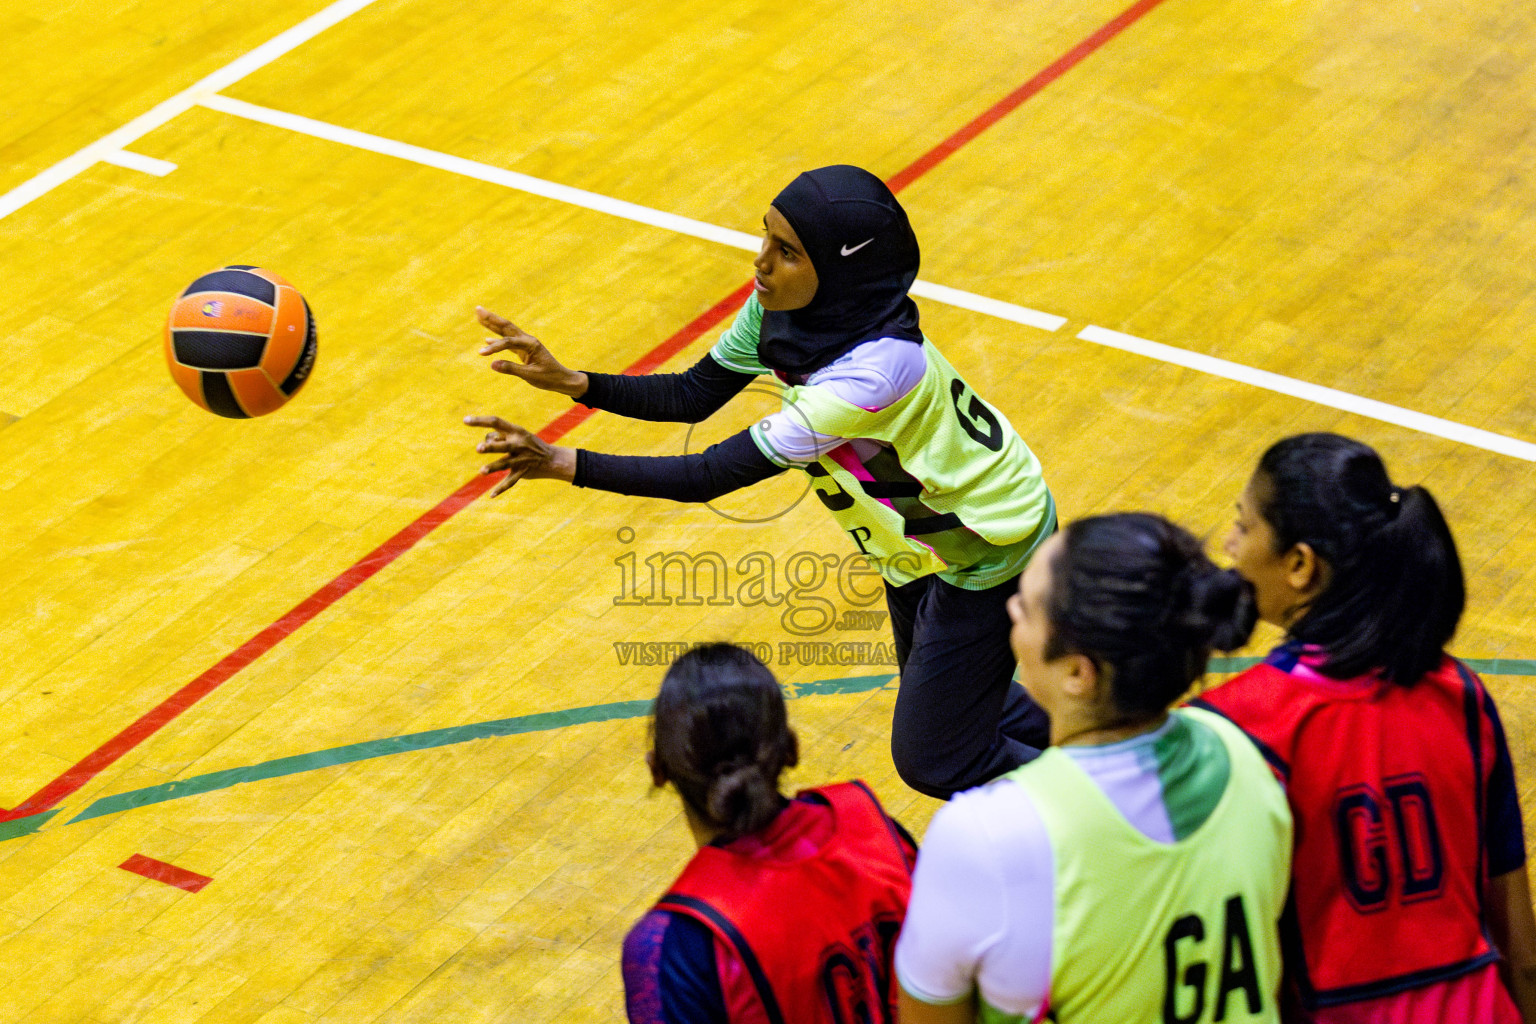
203	93
590	200
1316	393
138	162
482	172
991	307
229	74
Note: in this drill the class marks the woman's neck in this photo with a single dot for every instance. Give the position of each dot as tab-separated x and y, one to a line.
1089	734
704	832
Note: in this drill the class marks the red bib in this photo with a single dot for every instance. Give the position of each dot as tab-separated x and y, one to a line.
1388	784
815	935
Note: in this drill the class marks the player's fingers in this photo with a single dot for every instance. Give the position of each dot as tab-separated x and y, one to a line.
515	458
492	321
512	444
512	341
526	355
495	423
516	441
511	369
509	447
512	477
524	346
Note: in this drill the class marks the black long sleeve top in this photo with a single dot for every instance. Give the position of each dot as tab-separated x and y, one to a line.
686	397
666	397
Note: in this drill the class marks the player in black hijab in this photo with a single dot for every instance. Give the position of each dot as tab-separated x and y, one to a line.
865	254
932	484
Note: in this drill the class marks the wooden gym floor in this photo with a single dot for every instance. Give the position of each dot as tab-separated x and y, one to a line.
400	728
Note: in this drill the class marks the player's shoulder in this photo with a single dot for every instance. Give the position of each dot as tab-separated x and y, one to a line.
737	348
1260	703
1255	694
995	814
875	373
878	355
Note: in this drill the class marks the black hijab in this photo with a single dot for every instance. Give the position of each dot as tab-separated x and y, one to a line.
865	254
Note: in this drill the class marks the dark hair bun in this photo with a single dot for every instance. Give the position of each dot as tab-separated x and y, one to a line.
742	799
1221	612
1138	595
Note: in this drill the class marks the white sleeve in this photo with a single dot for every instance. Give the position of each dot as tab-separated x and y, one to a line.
788	440
871	376
982	905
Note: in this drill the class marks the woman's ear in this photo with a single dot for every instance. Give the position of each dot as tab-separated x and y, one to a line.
1305	572
1081	677
658	774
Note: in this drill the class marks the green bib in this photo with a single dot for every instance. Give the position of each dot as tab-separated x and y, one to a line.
1181	932
956	493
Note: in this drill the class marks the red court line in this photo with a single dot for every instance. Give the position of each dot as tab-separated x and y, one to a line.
160	871
157	718
931	159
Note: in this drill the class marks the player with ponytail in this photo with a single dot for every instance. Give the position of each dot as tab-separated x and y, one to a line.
789	909
1410	876
1137	869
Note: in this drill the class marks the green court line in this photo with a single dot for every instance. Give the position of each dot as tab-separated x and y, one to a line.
1501	666
542	722
852	684
361	752
24	826
1219	666
298	763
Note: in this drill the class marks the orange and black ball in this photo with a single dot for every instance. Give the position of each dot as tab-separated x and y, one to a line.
240	341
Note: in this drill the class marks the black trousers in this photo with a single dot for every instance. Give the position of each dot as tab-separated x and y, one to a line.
960	718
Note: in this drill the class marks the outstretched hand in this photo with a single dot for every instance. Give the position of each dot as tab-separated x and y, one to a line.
533	363
525	454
